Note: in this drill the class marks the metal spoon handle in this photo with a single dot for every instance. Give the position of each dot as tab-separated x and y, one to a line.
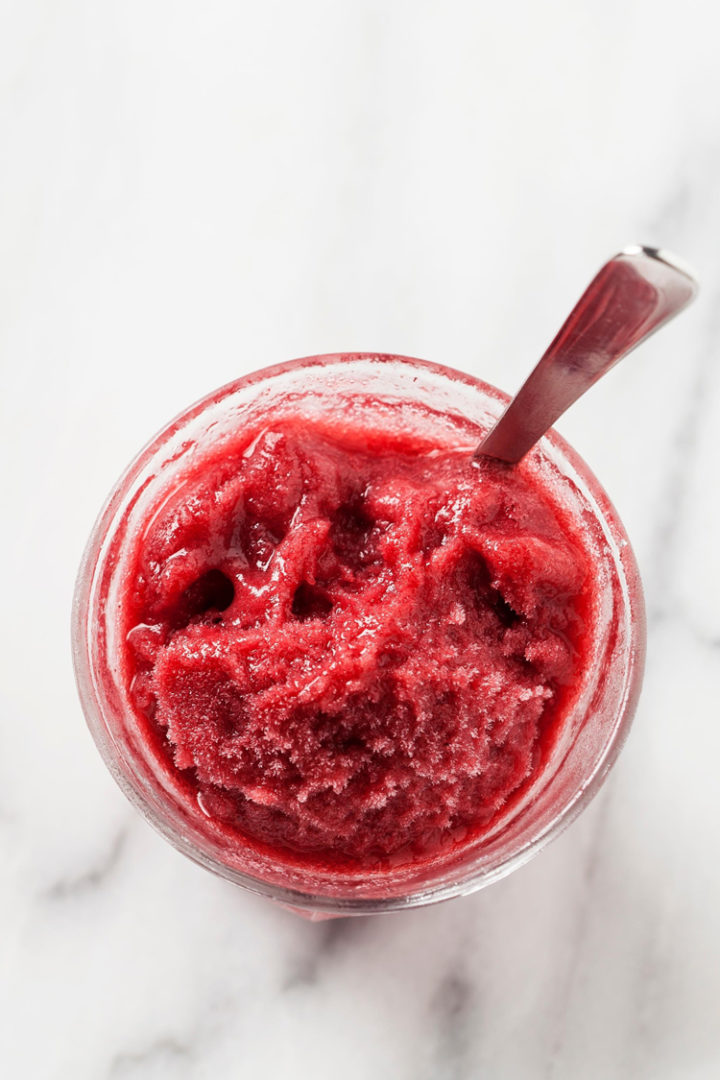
634	294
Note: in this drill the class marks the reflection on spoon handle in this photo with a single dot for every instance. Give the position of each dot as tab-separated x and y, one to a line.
634	294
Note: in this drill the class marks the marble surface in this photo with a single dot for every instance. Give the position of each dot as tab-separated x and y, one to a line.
189	191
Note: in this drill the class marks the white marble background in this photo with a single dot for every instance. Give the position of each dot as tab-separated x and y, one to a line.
189	190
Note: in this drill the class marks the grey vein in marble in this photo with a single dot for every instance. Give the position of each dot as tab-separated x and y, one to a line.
94	877
449	1017
675	488
577	936
170	1051
684	218
326	939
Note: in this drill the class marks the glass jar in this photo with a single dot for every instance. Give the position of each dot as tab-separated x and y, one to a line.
390	389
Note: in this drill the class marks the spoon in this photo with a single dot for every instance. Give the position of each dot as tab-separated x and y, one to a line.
634	294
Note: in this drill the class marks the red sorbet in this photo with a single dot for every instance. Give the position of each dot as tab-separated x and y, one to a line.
353	647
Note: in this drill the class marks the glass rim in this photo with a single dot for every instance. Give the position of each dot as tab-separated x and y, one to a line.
472	879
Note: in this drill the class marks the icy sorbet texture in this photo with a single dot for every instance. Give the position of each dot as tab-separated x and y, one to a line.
351	648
